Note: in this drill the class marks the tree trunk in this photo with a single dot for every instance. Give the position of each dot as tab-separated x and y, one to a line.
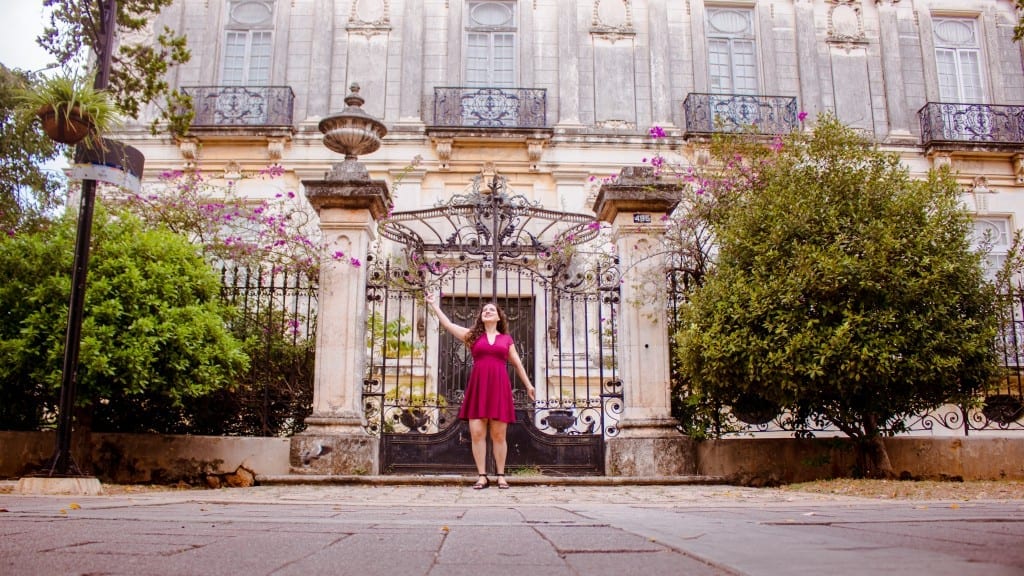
874	457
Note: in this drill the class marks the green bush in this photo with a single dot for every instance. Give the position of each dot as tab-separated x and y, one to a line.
155	328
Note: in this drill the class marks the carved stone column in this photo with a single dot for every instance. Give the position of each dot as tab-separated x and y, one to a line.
648	443
349	204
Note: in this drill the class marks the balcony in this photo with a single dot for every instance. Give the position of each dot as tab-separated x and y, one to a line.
463	107
242	106
986	126
723	113
465	117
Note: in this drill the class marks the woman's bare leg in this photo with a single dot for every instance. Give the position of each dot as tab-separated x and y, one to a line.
499	444
478	439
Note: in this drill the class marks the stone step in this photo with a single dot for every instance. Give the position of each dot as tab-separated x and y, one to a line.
451	479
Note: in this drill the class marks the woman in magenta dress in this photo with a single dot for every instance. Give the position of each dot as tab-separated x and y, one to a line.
487	403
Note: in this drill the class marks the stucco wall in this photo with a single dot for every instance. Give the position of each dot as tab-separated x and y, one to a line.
143	458
126	458
768	461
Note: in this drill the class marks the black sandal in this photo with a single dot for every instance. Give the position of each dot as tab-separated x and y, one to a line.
502	485
482	483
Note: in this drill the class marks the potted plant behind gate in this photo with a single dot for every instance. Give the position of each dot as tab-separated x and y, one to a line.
69	108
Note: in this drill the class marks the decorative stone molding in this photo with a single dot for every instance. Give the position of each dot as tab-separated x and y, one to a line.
443	148
534	150
189	149
979	188
612	20
232	170
846	22
1018	167
701	155
635	189
275	148
616	125
369	17
942	159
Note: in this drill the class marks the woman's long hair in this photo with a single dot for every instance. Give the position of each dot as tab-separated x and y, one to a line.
477	329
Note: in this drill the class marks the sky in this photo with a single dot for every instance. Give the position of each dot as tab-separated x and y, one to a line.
23	21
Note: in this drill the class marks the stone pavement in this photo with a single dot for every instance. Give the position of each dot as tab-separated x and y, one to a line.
549	529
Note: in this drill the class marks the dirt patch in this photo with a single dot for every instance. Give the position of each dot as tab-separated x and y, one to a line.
915	489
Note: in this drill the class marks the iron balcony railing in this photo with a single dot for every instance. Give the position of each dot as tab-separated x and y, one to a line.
480	107
241	106
951	122
711	113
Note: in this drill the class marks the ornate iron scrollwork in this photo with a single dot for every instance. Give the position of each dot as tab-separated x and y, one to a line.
954	122
711	113
489	224
242	105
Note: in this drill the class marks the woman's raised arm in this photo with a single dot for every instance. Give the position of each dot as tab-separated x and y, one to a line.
460	332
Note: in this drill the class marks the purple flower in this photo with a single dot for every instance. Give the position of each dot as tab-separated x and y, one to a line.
273	170
595	225
656	132
801	116
355	262
338	255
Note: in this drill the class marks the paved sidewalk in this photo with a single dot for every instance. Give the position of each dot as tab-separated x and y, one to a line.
530	529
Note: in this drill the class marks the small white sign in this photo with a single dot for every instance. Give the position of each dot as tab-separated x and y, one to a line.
107	174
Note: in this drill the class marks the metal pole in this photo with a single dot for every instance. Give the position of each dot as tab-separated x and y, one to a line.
62	463
495	248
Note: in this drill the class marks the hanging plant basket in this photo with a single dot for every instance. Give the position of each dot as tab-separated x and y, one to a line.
69	127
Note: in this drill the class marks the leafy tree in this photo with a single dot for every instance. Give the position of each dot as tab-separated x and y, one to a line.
138	70
844	289
27	191
154	322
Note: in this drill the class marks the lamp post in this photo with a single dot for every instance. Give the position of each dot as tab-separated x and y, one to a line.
62	463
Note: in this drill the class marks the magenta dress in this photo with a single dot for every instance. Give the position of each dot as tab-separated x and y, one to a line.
489	390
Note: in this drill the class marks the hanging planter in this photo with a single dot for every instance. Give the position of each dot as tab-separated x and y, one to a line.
69	108
67	128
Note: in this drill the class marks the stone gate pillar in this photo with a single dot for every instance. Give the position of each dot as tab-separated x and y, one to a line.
648	443
349	204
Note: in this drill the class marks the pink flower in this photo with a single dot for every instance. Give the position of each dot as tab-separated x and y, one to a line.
338	255
355	262
273	170
801	116
656	132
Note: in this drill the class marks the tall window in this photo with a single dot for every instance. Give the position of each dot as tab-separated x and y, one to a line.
247	45
958	59
732	59
995	234
491	44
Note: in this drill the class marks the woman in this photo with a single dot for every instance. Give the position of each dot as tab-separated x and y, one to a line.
487	403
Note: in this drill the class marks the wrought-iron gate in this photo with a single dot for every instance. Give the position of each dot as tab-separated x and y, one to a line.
561	296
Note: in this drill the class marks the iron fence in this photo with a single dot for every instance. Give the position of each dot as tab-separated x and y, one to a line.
241	106
277	314
987	123
999	408
489	107
714	113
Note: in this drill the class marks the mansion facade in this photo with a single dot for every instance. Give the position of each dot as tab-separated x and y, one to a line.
558	94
